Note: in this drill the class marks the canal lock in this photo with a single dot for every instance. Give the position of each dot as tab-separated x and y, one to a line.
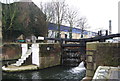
71	57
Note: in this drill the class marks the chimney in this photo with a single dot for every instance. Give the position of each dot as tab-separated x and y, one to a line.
110	31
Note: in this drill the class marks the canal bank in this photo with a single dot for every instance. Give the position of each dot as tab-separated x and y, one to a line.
55	73
99	54
42	55
49	66
102	54
107	73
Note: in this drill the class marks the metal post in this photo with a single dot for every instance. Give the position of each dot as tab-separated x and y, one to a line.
65	38
100	32
62	52
106	32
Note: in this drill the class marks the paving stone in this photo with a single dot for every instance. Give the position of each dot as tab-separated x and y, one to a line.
107	73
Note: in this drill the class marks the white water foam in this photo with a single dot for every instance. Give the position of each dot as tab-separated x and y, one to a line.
78	69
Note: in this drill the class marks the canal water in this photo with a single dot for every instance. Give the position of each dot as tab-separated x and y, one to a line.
61	73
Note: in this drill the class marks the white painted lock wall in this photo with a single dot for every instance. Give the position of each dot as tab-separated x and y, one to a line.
24	48
35	54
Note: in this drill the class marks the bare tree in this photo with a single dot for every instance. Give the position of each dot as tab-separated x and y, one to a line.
60	10
8	17
71	17
82	24
47	9
55	12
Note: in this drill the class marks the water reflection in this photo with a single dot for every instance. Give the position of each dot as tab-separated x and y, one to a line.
58	72
20	76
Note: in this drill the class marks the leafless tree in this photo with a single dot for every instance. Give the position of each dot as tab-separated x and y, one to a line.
82	24
71	18
8	16
55	12
47	9
11	15
60	11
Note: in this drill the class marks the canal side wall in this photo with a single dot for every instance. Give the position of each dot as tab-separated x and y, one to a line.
50	55
101	54
43	54
11	51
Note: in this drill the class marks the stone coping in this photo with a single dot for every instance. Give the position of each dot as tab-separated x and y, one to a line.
13	68
30	43
106	73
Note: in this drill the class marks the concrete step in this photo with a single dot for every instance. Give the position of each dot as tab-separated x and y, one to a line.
23	58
